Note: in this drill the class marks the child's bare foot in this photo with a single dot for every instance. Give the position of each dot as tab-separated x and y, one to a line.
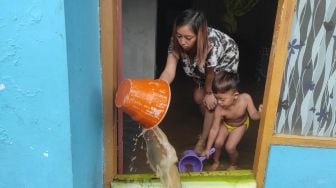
232	167
214	165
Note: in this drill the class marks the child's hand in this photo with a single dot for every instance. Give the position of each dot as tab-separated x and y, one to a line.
206	153
260	108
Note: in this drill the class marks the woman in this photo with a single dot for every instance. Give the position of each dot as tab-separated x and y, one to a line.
203	51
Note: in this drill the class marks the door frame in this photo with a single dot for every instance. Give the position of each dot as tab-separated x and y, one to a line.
276	64
110	48
110	23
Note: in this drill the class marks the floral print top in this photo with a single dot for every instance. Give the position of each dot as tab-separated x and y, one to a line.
223	56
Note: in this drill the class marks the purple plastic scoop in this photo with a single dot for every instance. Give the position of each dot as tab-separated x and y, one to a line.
190	161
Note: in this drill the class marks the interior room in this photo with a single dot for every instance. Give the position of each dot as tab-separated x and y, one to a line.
250	24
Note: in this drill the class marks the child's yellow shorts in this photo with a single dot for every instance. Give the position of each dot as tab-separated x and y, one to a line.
230	128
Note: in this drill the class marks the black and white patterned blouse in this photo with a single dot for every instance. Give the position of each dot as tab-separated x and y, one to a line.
224	56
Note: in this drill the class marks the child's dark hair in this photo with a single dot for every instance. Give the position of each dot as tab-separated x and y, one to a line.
225	81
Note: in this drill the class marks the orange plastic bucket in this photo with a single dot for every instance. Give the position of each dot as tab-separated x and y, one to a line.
145	101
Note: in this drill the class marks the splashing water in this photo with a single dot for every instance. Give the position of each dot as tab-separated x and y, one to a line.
162	157
135	140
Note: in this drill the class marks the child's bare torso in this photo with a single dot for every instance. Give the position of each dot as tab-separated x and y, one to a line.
236	114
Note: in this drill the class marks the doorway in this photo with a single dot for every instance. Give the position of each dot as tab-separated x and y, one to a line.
253	32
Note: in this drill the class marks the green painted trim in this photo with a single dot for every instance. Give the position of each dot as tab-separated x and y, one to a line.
234	176
136	178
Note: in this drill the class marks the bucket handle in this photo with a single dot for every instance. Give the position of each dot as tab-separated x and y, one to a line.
212	151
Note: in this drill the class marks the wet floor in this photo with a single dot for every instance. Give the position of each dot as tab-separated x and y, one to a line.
182	125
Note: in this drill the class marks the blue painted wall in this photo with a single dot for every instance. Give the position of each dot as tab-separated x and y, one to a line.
83	48
50	95
297	167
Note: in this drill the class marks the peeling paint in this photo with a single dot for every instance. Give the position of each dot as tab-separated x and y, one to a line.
46	154
10	52
2	86
19	90
35	15
12	110
4	137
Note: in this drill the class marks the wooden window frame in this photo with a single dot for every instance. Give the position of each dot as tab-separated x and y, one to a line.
277	62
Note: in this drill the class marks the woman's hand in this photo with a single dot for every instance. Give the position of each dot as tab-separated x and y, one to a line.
210	101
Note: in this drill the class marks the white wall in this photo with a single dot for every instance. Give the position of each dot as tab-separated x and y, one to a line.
138	40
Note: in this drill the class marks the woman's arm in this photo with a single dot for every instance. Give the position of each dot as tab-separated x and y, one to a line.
169	72
209	98
209	76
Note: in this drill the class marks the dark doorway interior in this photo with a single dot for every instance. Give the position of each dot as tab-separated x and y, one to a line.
182	124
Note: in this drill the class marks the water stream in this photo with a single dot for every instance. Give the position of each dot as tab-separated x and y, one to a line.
162	158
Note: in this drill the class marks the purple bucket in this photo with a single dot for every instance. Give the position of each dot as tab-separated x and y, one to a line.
190	161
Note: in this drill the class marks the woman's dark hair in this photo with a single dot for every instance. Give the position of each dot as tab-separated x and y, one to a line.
225	81
197	22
